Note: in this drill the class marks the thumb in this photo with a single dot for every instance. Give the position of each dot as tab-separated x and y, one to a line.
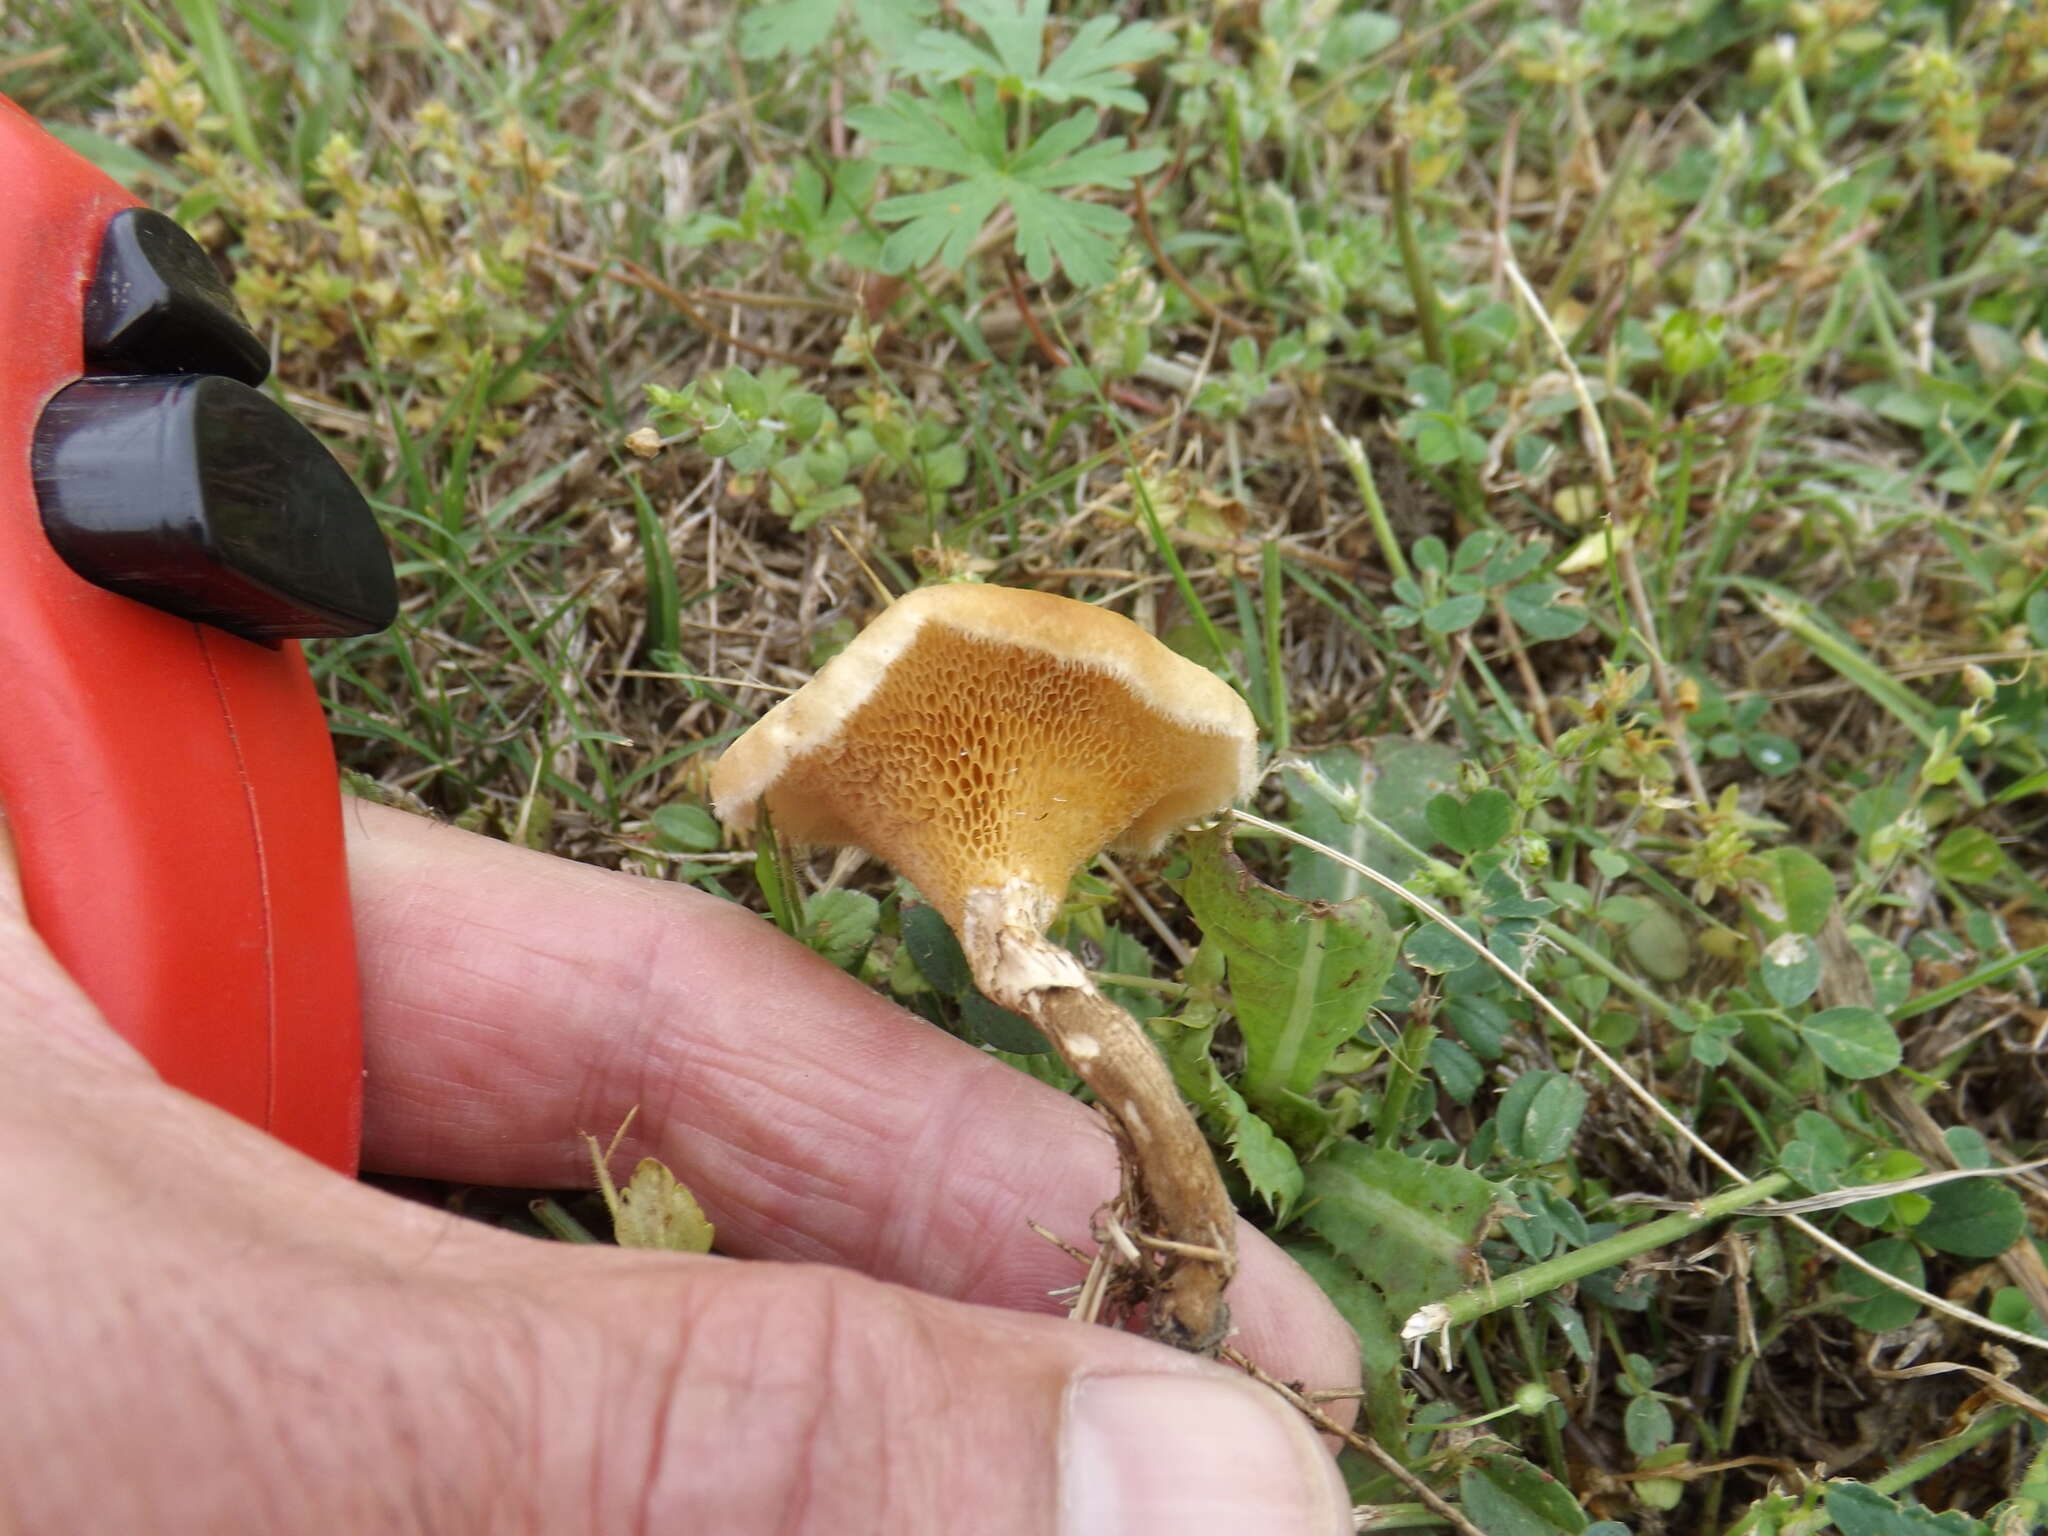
801	1398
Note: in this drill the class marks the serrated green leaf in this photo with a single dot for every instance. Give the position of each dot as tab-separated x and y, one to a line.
1852	1042
1302	975
1094	64
945	132
942	224
969	139
1268	1163
1091	67
1409	1226
1079	238
1379	1345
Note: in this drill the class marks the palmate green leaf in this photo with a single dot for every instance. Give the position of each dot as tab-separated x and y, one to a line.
968	139
1080	238
1090	68
776	27
945	132
942	224
1303	975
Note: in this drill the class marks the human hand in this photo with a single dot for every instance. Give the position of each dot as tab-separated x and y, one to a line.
203	1331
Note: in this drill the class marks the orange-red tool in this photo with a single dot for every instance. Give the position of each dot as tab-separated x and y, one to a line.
165	529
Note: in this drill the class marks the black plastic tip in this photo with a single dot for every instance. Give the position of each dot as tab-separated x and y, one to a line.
200	496
157	304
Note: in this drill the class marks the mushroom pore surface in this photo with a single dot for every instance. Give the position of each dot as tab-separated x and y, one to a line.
978	761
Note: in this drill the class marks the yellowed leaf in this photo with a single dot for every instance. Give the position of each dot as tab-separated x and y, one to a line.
654	1210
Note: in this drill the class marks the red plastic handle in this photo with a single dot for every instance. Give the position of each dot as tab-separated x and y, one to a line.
170	788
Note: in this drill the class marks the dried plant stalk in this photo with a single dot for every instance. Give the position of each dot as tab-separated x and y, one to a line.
1182	1203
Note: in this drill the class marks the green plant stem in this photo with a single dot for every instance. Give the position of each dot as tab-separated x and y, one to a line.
1404	1070
1155	984
1429	317
558	1223
1428	309
1596	223
1593	960
1401	1517
1731	1417
1540	1279
1983	976
1482	1373
1547	1416
1930	1459
1155	530
1352	452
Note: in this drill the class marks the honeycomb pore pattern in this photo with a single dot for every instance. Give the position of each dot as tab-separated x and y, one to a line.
978	761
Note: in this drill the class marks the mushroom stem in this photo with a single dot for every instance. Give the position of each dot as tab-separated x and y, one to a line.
1181	1193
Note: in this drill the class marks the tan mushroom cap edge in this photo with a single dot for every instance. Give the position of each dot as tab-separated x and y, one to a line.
973	735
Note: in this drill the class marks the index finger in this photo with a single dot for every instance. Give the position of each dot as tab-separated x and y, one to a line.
513	1000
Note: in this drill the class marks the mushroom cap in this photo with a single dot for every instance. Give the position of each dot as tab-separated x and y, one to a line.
974	735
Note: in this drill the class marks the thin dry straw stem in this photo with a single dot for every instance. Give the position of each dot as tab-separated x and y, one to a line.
1618	537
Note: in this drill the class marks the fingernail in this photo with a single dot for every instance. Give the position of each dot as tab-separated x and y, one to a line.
1193	1455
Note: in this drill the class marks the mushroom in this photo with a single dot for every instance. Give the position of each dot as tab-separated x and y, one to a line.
987	742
